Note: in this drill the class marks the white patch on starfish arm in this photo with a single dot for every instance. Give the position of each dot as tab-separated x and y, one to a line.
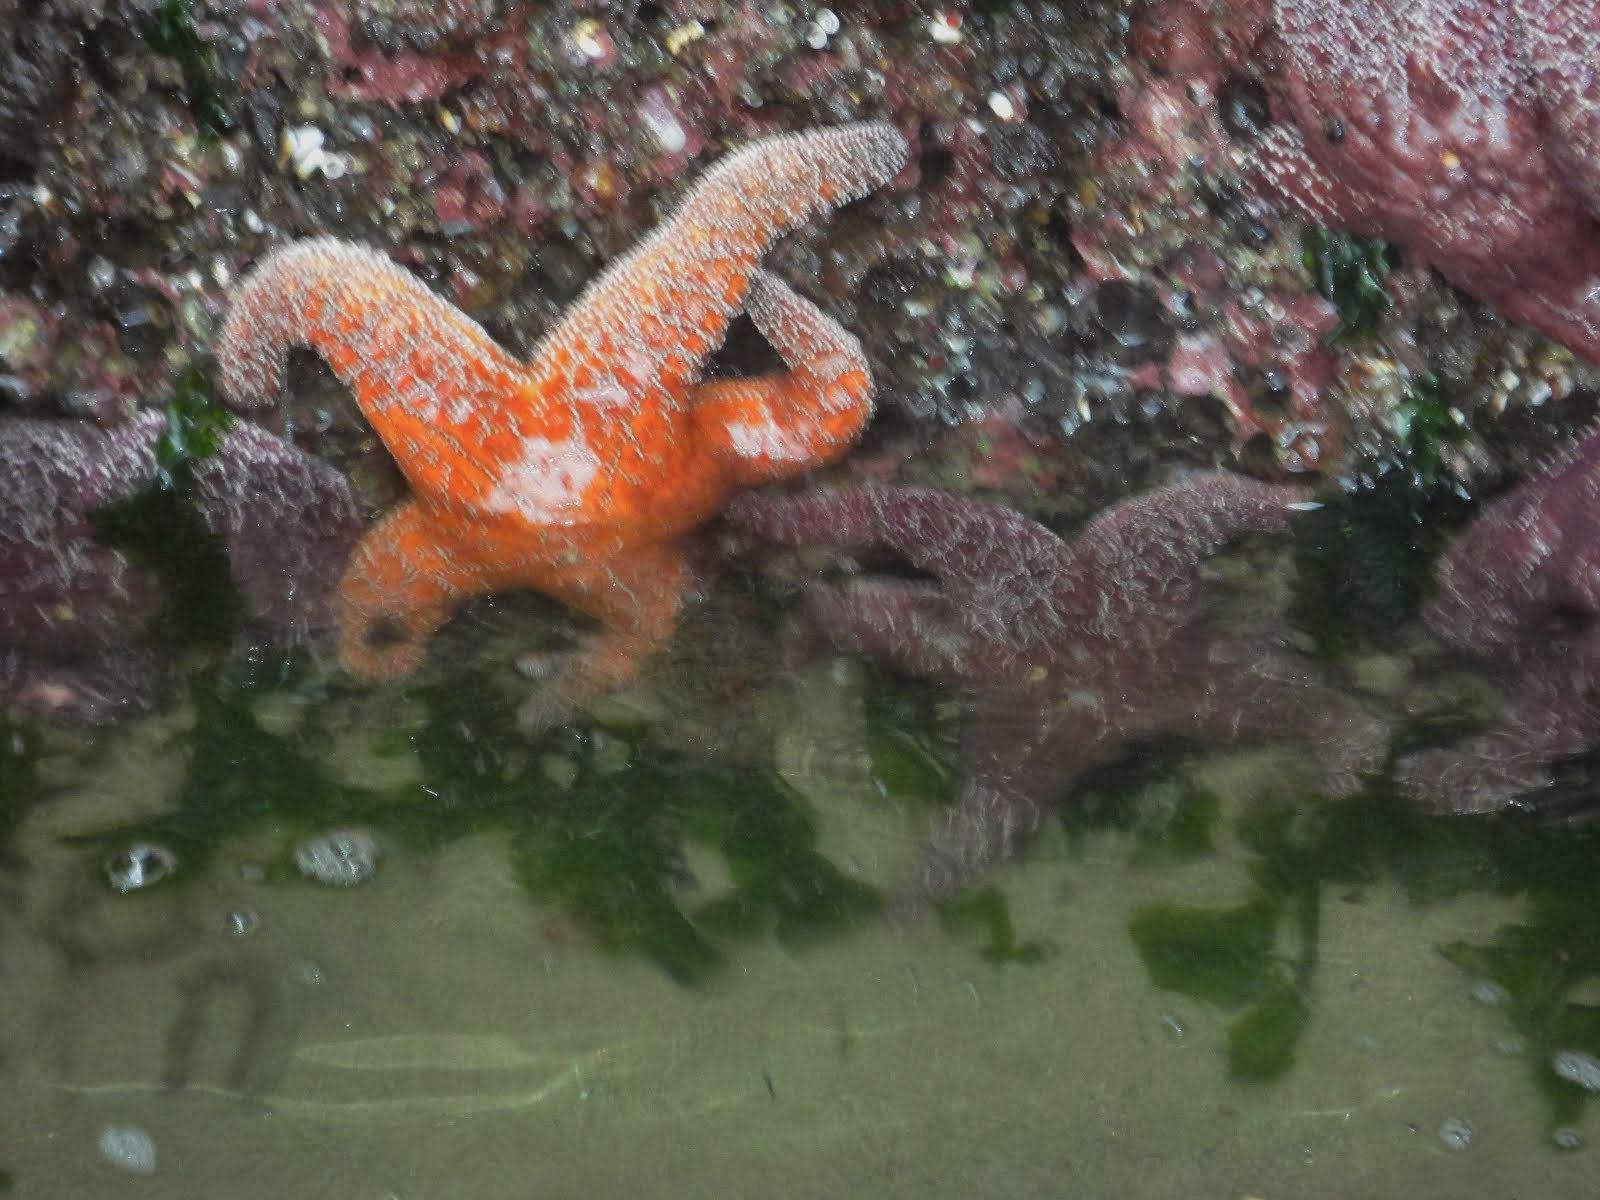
766	440
549	482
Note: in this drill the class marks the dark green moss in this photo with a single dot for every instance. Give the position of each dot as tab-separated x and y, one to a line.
1364	558
987	911
19	779
1261	1044
1351	272
171	31
161	529
1224	956
598	821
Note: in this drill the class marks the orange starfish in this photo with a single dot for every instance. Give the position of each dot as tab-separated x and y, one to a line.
575	474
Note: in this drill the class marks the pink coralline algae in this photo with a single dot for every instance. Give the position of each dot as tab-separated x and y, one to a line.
286	521
1242	322
1521	587
1065	652
1467	133
406	75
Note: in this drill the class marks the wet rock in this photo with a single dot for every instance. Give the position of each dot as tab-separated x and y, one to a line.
128	1147
1130	323
338	858
35	61
1455	1133
142	865
1579	1067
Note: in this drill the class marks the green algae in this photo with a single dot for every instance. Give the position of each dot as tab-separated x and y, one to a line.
1364	558
171	31
161	529
598	820
913	754
1225	956
19	776
196	427
1351	272
1426	425
1547	965
1257	957
987	911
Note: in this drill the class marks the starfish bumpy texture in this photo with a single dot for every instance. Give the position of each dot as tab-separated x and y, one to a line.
1521	587
287	522
577	473
1065	651
1467	132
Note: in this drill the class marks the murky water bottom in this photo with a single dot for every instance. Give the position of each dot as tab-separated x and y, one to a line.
434	1032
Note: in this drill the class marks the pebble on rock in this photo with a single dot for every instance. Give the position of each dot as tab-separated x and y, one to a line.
1577	1066
128	1147
140	866
338	858
1455	1133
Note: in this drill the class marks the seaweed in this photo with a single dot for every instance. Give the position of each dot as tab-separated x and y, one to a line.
171	31
1548	964
987	911
1258	956
1425	425
1350	271
598	820
161	528
1364	558
19	778
196	427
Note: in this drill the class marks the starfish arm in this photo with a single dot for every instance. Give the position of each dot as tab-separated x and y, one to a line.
1526	556
959	540
784	424
987	825
1015	766
424	373
906	624
60	588
1554	715
1153	544
406	577
1480	775
646	325
1223	689
635	593
287	520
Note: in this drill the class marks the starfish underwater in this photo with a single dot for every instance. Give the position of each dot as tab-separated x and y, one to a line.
577	473
1468	133
1065	651
1520	586
73	608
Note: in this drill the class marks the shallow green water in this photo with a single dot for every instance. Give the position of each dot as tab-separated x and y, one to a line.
642	956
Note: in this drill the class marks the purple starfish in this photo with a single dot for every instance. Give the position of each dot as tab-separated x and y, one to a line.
1521	586
1467	132
74	611
1065	651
